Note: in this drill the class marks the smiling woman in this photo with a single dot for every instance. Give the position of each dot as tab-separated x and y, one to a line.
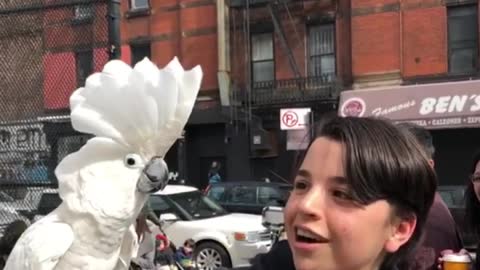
360	197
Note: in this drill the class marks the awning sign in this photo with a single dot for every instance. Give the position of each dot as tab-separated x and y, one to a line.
295	118
434	106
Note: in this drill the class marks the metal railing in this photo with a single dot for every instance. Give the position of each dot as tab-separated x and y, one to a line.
289	91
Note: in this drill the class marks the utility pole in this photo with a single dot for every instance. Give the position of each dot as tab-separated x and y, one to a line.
113	17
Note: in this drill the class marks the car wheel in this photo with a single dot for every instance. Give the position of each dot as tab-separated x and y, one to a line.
210	256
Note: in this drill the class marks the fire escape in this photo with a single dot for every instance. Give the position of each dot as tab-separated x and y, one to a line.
255	99
304	87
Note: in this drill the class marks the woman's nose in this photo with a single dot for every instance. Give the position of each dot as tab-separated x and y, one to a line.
312	203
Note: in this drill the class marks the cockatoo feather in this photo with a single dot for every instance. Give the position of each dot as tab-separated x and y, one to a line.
124	104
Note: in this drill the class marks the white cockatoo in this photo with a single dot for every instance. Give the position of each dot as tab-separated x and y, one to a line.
135	115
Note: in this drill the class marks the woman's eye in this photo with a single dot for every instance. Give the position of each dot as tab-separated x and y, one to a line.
133	160
300	185
341	194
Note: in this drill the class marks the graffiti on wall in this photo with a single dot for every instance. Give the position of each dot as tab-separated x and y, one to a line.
23	153
24	137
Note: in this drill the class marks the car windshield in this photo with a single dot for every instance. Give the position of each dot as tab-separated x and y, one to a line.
195	205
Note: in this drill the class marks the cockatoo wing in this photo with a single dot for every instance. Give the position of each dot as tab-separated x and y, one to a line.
40	247
144	108
128	250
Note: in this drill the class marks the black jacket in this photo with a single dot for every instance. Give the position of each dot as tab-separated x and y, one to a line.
278	258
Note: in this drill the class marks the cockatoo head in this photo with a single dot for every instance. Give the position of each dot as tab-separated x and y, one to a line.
135	115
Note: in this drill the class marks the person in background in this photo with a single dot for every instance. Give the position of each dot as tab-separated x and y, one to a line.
472	210
164	256
213	173
440	228
184	254
146	240
472	203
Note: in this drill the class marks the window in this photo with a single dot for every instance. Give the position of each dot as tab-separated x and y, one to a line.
160	206
321	51
263	64
140	51
462	39
83	12
216	193
84	64
243	194
139	4
269	195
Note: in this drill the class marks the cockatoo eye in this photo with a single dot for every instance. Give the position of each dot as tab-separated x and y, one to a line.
133	161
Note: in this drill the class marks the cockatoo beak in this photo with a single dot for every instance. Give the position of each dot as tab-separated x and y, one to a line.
154	176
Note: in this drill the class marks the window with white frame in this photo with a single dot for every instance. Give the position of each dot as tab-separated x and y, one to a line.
263	63
321	51
139	4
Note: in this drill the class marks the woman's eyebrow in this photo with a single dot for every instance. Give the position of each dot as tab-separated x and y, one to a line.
304	173
340	180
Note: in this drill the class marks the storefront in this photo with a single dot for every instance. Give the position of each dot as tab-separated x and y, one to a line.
450	110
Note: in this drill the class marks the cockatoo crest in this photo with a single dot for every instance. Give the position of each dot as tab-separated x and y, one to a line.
125	104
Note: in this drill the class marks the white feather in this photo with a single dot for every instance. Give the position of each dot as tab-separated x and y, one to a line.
145	108
41	246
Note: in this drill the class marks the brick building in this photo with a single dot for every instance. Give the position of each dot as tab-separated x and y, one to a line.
288	54
260	56
421	57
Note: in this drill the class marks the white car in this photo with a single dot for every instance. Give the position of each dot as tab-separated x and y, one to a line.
222	238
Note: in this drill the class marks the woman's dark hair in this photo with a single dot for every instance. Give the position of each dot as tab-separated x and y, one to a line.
385	162
472	205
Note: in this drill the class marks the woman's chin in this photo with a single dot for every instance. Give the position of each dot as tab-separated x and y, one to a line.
307	263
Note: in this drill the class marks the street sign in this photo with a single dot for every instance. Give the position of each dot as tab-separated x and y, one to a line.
295	118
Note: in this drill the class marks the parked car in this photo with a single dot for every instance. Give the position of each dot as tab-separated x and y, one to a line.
222	238
454	198
248	197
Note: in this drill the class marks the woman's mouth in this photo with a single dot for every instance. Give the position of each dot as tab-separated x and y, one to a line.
307	240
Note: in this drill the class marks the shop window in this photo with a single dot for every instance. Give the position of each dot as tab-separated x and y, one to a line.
263	63
462	39
321	51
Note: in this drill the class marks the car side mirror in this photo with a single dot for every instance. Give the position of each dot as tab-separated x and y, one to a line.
272	217
168	217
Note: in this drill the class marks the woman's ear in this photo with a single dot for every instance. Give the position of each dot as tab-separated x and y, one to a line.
402	230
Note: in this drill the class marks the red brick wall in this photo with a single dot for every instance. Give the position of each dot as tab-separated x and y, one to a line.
375	43
186	29
425	42
405	35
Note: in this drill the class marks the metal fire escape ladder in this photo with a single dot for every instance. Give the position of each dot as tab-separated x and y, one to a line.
273	10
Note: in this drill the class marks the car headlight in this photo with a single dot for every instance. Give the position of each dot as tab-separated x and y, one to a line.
250	237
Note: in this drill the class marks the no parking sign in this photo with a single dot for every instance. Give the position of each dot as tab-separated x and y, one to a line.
295	118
